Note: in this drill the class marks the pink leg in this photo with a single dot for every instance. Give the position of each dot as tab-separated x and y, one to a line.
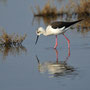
68	52
67	41
56	55
56	43
68	55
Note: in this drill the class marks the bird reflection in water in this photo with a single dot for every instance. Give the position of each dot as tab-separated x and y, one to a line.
17	50
56	69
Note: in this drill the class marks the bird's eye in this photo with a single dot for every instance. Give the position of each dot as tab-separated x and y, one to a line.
38	31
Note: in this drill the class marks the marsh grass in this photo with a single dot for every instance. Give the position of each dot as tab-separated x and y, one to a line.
47	10
84	26
7	40
46	20
81	8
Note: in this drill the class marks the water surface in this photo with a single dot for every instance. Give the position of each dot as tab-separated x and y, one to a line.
41	67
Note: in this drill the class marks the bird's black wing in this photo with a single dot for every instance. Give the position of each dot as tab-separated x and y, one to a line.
60	24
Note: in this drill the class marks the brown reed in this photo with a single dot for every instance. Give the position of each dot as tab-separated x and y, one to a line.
47	10
11	40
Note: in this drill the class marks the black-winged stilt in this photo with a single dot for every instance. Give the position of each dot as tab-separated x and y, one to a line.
56	28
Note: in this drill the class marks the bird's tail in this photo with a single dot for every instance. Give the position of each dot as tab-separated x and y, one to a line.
71	23
74	22
77	21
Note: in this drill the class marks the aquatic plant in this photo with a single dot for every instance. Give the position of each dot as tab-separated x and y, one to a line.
11	40
83	8
84	26
47	10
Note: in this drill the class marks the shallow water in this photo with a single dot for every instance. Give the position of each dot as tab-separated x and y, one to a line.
40	66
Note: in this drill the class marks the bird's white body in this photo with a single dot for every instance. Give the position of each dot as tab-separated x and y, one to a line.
50	31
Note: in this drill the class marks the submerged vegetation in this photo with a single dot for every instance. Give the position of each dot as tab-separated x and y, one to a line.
12	40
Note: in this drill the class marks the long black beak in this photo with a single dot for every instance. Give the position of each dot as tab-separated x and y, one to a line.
37	39
37	59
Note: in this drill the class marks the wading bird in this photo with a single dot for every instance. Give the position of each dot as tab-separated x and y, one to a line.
56	28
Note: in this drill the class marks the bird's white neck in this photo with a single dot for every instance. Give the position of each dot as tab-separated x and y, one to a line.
44	32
